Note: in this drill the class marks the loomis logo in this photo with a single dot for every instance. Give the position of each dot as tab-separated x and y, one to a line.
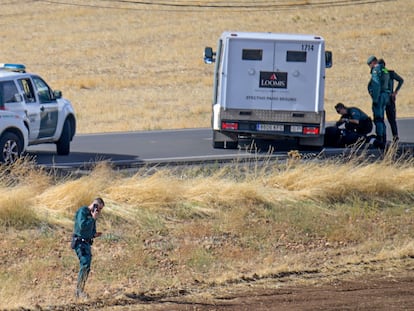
274	80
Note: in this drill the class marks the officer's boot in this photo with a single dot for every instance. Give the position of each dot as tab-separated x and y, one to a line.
80	286
379	142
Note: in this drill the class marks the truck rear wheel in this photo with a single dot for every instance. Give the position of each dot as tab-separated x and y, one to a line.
218	144
231	144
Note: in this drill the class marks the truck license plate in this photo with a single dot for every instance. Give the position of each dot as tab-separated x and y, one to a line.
270	127
296	128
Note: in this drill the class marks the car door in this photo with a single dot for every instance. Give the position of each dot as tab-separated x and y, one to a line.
30	106
48	108
19	96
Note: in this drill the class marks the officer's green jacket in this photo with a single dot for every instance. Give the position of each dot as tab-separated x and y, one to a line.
356	114
379	82
85	225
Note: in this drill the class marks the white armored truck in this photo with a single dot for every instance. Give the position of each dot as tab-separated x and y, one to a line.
268	85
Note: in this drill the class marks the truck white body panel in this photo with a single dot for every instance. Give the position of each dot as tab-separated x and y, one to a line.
270	85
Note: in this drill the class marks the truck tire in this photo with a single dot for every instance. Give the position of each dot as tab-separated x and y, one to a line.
218	144
63	144
10	147
231	144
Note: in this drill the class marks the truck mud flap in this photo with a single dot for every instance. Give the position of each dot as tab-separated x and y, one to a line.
312	141
225	140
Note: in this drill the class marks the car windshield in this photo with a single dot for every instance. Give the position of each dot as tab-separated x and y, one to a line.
43	90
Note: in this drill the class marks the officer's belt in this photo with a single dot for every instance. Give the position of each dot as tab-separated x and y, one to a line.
87	241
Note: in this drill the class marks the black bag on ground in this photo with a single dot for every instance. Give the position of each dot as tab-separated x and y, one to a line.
332	136
365	126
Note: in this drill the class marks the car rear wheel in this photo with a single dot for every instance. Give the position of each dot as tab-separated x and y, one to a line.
10	147
63	144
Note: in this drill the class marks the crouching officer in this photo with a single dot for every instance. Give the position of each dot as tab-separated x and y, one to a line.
83	235
357	124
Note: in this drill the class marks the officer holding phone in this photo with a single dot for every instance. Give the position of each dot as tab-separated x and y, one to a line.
83	234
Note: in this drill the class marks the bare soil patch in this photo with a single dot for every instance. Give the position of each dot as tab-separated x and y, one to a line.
350	288
372	293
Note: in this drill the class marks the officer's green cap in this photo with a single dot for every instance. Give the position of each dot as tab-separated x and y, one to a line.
371	59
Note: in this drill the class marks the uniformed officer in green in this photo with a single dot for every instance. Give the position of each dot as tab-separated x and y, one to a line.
378	88
391	109
83	235
357	125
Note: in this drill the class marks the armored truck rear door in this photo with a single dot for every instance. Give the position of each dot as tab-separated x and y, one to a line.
273	75
247	58
297	68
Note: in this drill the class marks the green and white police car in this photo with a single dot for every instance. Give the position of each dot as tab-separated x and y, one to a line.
50	117
14	136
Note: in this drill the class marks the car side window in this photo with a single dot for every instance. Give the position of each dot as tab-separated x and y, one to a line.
28	92
8	92
43	90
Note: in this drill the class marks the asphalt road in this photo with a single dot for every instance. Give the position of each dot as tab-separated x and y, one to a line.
166	146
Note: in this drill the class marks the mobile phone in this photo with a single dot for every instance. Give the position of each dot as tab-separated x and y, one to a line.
95	208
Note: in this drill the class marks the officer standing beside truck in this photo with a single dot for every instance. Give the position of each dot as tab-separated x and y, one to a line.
390	109
378	88
82	239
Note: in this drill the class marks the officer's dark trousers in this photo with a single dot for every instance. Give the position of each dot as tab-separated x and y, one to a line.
84	253
390	111
379	111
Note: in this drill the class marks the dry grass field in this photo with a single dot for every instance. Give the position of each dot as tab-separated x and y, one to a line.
127	66
201	234
198	234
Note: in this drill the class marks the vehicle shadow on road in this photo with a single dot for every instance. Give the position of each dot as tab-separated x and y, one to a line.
81	159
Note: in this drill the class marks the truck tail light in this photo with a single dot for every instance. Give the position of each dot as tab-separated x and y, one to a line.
229	125
310	130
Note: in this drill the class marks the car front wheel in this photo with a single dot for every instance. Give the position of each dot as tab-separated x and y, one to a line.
10	147
63	144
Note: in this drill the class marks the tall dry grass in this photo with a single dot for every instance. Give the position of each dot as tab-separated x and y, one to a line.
165	229
132	67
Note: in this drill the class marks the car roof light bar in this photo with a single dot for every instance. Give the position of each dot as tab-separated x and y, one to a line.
13	67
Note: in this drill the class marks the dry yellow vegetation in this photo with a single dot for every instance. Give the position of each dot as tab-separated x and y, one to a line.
128	66
193	229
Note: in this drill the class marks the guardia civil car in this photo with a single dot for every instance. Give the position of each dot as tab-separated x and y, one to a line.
14	136
51	118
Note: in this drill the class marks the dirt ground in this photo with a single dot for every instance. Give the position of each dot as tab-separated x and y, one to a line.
386	291
369	294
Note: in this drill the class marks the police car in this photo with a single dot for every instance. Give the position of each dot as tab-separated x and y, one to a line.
14	136
50	118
